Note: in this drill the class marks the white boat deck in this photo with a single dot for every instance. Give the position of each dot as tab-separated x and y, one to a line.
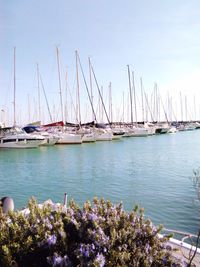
184	251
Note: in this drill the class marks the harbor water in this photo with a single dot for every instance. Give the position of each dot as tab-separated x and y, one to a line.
155	172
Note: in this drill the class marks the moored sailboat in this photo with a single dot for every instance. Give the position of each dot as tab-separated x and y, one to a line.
50	139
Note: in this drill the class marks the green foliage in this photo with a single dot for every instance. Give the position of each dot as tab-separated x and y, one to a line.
99	234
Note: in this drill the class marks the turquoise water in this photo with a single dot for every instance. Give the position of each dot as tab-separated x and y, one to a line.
155	172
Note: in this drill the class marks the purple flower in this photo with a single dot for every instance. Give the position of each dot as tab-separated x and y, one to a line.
147	248
48	223
86	250
57	260
164	260
100	259
92	217
51	240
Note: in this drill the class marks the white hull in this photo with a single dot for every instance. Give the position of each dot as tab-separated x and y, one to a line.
189	127
49	138
151	130
172	130
104	136
26	143
88	137
137	132
13	137
69	138
117	136
49	141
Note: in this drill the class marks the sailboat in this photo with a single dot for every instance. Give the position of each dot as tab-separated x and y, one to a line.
50	139
134	130
66	135
88	133
15	137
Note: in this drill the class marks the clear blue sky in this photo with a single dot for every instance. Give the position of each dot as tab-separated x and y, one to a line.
159	39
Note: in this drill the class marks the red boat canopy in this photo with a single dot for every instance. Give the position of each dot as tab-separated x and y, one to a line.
58	123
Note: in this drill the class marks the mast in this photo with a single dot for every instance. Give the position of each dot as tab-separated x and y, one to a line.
101	110
156	103
29	109
123	109
14	104
88	93
186	111
110	103
50	116
163	109
148	107
66	99
142	99
134	97
181	107
100	95
59	81
78	90
91	98
195	113
130	90
39	106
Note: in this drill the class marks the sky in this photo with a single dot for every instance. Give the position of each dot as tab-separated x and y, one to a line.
158	39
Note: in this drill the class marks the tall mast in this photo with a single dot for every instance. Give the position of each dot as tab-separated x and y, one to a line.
148	107
123	109
154	103
39	106
110	103
14	104
142	99
50	116
90	96
29	109
186	111
195	113
100	95
130	90
134	96
78	90
101	110
66	99
91	88
181	107
59	80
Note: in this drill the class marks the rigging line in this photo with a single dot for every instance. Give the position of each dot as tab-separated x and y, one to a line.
67	85
175	117
130	90
163	108
78	91
148	105
100	95
135	103
59	82
87	89
46	98
14	104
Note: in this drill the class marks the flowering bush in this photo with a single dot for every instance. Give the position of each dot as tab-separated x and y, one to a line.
99	234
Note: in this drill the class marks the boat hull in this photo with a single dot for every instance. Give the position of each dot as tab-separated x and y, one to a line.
69	138
6	143
89	138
